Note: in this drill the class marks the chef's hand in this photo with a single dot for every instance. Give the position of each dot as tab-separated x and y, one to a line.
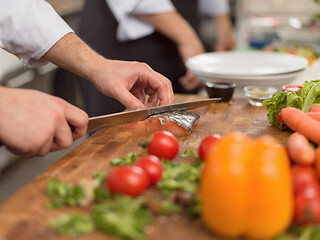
34	123
190	81
226	40
128	82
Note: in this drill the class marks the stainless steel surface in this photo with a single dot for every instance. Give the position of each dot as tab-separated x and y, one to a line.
111	120
15	171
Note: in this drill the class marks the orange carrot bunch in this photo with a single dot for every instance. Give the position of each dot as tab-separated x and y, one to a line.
304	123
306	127
306	171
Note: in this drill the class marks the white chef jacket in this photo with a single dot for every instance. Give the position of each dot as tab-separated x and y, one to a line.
29	28
131	27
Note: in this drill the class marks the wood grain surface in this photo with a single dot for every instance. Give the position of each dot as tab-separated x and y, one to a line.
25	216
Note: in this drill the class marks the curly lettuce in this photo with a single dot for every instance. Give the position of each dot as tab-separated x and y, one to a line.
313	95
280	100
303	99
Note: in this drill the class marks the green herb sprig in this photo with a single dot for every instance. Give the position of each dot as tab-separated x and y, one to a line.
63	194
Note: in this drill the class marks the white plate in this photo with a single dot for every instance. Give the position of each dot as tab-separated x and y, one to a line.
240	81
245	64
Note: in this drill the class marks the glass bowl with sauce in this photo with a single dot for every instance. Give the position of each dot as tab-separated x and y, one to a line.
223	90
257	94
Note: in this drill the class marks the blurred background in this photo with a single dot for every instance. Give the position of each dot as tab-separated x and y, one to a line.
291	26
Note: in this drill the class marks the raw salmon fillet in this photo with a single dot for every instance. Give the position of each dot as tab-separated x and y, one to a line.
178	122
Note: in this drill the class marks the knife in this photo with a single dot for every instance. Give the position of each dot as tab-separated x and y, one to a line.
115	119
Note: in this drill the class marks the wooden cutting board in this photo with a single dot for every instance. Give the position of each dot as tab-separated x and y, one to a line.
25	216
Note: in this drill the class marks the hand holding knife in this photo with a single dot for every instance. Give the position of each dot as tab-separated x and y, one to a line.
111	120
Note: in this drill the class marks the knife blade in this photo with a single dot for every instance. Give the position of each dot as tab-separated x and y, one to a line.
115	119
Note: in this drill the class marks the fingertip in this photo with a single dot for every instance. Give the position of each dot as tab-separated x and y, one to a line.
172	99
137	105
79	132
140	107
84	118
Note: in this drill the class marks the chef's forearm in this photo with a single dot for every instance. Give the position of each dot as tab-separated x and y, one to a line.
222	23
224	33
72	54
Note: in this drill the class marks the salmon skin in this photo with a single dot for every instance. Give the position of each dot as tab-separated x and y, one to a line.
177	122
184	119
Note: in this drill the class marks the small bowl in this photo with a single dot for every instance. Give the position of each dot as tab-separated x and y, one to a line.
221	90
257	94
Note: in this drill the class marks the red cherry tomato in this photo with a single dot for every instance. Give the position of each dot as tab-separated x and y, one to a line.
306	210
152	167
307	195
293	52
280	122
128	180
164	145
279	119
206	143
310	190
291	88
303	176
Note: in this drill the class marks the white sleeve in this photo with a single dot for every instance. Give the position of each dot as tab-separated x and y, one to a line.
214	7
130	26
29	28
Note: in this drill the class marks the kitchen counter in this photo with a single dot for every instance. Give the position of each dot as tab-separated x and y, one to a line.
25	216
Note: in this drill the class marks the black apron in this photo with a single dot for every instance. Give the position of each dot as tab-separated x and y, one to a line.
98	29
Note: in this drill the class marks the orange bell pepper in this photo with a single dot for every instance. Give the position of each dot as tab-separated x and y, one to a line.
246	187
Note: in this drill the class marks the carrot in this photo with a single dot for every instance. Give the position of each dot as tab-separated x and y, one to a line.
300	122
317	165
315	108
299	149
314	115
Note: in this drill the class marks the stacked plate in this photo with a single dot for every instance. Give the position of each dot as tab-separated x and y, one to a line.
247	68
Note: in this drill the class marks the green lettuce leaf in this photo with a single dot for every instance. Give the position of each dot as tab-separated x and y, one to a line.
123	216
280	100
72	224
306	86
63	194
303	100
181	176
312	97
